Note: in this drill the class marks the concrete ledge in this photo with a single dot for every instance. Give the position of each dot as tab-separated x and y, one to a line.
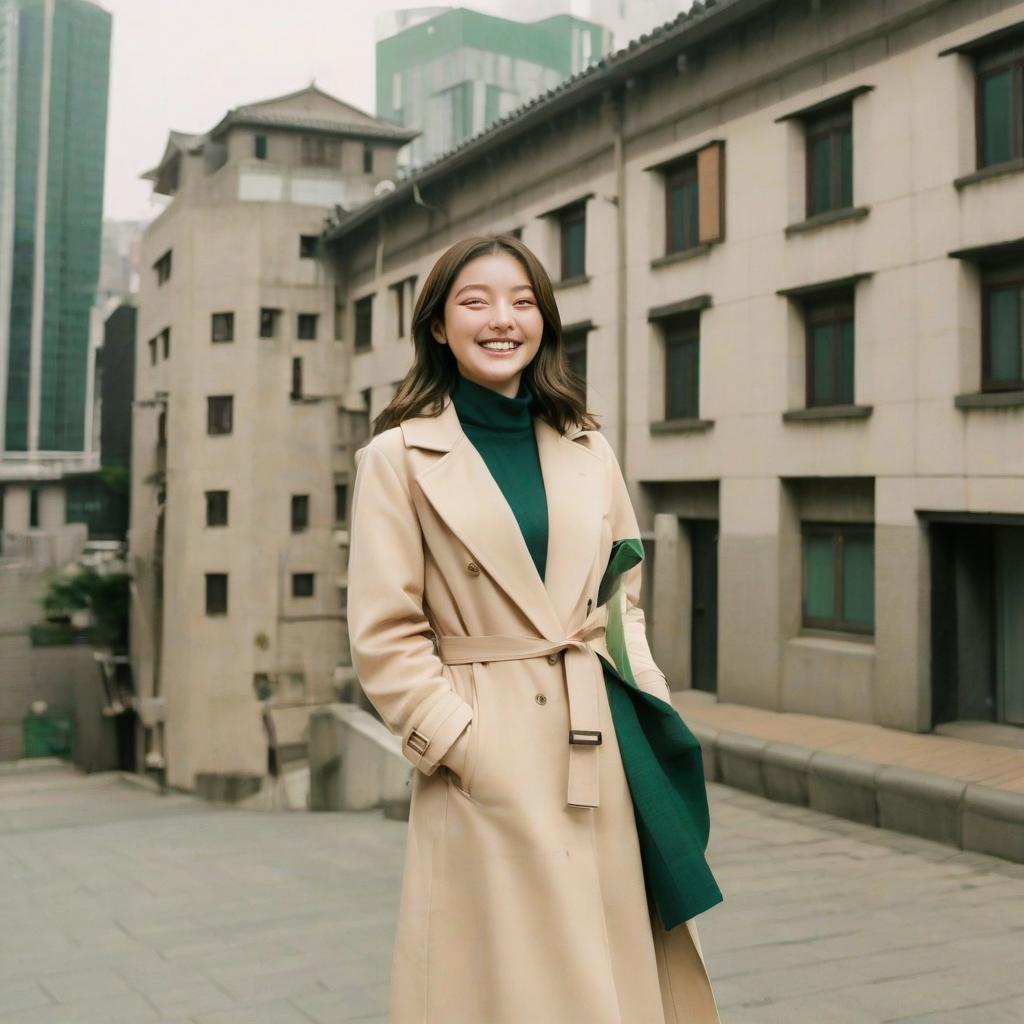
920	803
708	737
739	761
842	786
785	769
227	787
993	822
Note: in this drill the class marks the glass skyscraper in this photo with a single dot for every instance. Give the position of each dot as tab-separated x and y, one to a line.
54	78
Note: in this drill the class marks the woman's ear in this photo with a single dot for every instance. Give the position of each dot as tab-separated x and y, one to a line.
437	330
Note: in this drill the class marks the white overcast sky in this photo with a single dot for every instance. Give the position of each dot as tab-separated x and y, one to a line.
183	64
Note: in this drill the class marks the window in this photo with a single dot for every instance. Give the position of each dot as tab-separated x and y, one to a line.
398	290
318	151
695	199
309	245
306	327
163	268
269	319
296	379
1002	330
216	593
828	323
460	111
573	230
259	148
152	351
1000	104
216	508
682	367
165	342
364	322
574	339
367	158
222	327
839	577
302	584
829	137
492	104
219	409
339	313
300	512
33	507
340	502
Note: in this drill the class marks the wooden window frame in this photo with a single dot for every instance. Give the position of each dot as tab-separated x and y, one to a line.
830	308
1004	57
211	507
828	124
227	332
567	217
992	279
680	332
210	578
215	421
838	532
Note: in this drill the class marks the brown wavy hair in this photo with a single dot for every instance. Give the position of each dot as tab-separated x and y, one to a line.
559	393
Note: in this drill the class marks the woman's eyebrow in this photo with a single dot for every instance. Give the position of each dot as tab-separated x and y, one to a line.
487	288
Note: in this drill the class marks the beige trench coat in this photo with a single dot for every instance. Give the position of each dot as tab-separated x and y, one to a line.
523	898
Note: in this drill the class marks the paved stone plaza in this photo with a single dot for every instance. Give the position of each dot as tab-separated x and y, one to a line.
118	906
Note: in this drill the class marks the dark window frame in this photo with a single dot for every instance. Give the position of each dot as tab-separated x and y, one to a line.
309	247
217	508
296	391
220	415
306	325
575	343
368	153
259	146
318	151
299	581
990	62
163	268
362	312
341	501
299	513
270	318
681	334
165	342
575	213
153	350
829	123
838	532
216	599
222	327
833	307
996	279
679	174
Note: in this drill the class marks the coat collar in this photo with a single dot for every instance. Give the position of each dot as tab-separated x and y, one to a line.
464	494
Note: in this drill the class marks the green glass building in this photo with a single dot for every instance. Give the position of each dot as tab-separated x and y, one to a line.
54	78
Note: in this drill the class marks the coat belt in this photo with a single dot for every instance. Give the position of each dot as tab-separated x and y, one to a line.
581	680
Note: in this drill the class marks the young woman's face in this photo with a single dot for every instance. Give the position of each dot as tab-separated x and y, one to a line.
492	322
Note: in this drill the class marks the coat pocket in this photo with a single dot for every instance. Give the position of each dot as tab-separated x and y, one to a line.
464	783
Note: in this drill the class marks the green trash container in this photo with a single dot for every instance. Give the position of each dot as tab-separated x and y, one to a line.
46	735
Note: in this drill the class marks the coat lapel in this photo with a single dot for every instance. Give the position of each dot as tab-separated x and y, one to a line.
462	491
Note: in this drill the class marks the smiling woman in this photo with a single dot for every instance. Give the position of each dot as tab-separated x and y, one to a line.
559	816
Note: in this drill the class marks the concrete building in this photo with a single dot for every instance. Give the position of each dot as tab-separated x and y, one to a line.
239	456
449	73
54	72
789	245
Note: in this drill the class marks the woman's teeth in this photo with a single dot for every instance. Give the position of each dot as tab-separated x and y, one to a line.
500	346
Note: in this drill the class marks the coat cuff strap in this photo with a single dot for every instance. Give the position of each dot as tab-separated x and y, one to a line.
428	742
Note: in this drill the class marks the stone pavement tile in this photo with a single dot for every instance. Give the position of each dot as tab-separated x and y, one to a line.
799	1010
1001	1012
21	995
340	976
268	1013
123	1009
188	1000
71	986
248	987
356	1004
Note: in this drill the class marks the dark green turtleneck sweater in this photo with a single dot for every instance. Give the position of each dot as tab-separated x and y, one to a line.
501	430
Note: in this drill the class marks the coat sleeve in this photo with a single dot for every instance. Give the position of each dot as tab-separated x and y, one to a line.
389	634
624	527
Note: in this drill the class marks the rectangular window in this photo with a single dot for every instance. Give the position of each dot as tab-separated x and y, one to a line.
340	502
152	351
260	147
1000	104
318	151
33	507
306	327
829	140
575	343
296	379
1002	332
165	342
839	577
300	512
460	110
302	584
269	319
682	207
573	231
682	367
398	291
364	323
219	412
222	327
309	246
339	313
367	158
216	508
216	593
163	268
492	104
828	323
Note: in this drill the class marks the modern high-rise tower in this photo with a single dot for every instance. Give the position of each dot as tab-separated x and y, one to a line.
54	76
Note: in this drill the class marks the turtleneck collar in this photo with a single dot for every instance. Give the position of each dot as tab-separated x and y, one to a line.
482	408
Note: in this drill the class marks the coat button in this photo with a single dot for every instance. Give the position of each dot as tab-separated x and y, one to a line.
541	699
552	659
473	569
